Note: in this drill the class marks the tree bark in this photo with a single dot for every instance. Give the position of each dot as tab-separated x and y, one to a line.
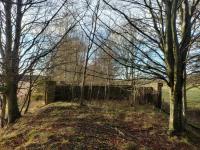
11	60
3	111
176	124
29	91
83	81
11	96
184	98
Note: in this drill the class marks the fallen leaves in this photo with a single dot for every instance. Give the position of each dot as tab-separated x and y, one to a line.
68	126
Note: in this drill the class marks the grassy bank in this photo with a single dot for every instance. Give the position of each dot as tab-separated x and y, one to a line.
193	97
100	125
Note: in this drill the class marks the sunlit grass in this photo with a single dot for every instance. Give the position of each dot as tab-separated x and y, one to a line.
99	124
193	97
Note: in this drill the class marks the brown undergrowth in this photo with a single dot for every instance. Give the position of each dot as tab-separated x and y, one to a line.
99	125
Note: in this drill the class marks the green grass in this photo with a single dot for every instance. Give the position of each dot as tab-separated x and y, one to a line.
193	104
193	97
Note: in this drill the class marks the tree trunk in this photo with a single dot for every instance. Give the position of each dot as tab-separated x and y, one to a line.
176	124
82	97
3	111
28	103
184	98
133	85
84	78
29	91
11	96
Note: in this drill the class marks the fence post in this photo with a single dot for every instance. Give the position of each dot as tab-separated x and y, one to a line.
159	99
50	88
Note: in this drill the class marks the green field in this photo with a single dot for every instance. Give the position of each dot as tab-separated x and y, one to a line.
193	97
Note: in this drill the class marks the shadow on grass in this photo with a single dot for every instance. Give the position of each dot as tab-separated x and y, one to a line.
105	125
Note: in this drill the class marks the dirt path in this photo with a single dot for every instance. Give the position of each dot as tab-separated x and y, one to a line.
66	126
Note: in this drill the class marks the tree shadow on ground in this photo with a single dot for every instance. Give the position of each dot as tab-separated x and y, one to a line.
69	126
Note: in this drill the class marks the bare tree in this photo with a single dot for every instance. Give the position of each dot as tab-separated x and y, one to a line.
90	45
167	29
26	28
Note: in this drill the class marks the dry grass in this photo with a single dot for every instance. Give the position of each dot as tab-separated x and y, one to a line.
99	125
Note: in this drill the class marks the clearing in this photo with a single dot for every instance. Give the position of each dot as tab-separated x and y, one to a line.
100	125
